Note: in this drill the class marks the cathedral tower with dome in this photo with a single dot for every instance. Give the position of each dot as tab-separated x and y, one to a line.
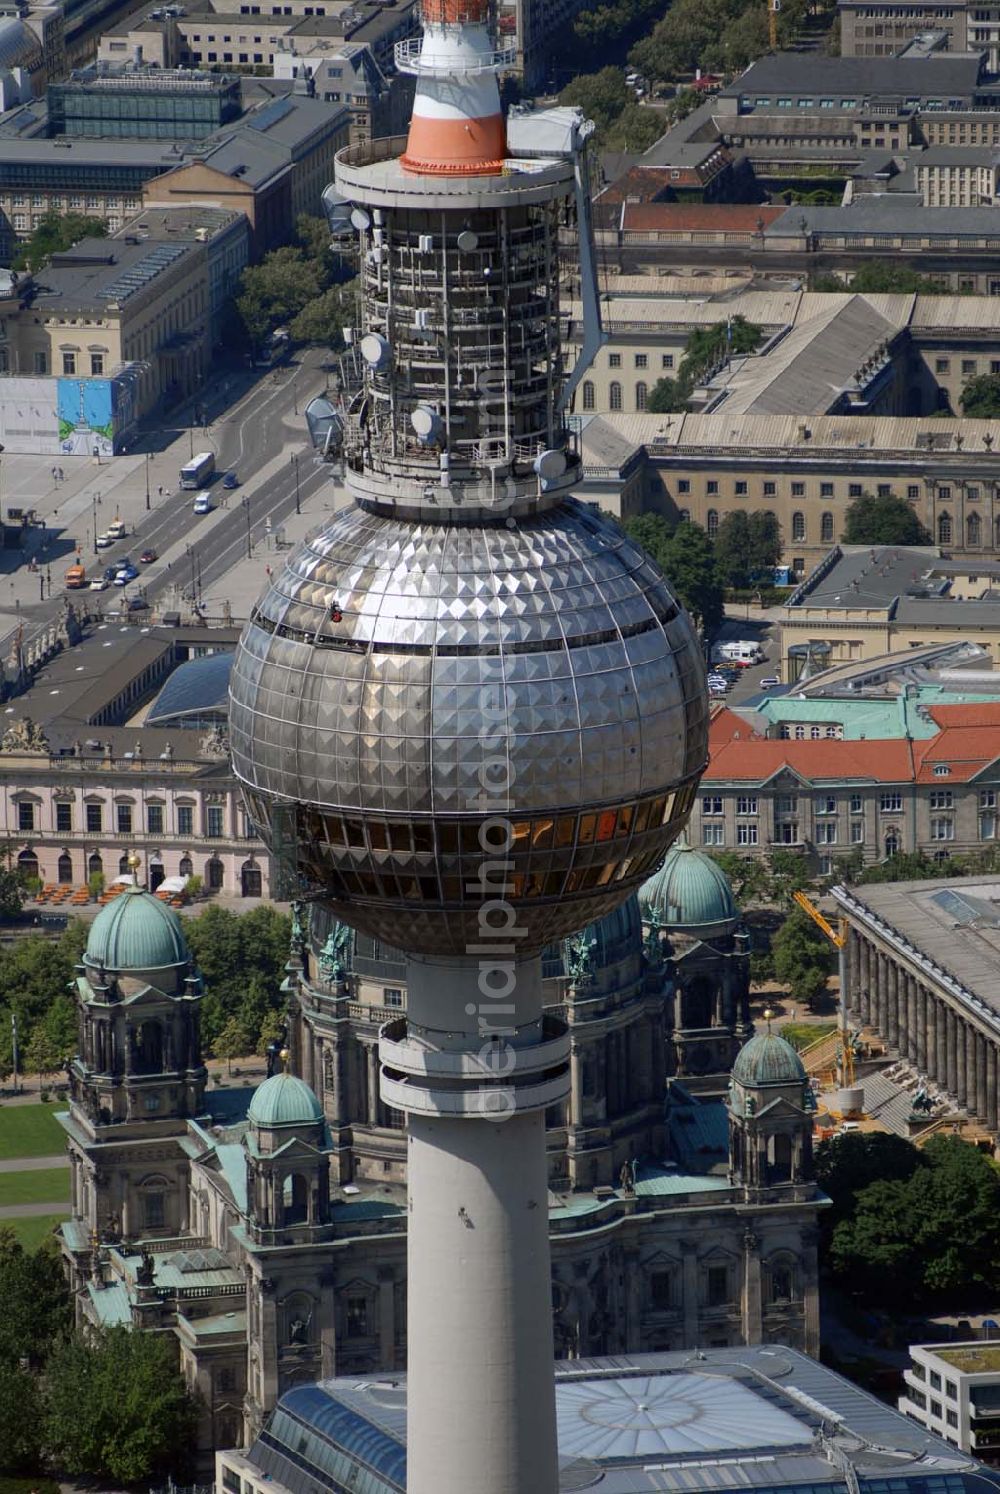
265	1229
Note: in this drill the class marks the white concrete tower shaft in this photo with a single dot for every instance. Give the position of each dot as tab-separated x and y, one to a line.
480	1392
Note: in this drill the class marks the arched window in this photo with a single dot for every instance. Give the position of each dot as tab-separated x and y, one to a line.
215	874
250	879
974	530
781	1283
781	1158
588	394
95	866
295	1197
123	866
153	1195
27	865
892	843
615	395
798	526
185	867
65	871
157	871
826	529
944	529
641	395
712	523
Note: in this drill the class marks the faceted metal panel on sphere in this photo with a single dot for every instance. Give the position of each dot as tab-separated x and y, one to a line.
401	682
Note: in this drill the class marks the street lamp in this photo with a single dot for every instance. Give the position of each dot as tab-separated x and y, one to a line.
295	464
149	458
95	499
246	510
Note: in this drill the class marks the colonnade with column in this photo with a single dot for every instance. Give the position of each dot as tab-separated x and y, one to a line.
926	1027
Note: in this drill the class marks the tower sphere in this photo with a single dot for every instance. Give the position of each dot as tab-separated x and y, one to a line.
423	711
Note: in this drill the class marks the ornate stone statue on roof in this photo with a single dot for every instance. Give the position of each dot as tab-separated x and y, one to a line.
332	956
23	735
214	743
580	957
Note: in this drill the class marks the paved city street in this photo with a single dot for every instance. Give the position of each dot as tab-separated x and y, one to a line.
259	437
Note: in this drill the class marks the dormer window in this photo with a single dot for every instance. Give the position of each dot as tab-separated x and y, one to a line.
941	770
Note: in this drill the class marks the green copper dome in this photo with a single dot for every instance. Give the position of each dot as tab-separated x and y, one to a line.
690	891
284	1100
767	1059
136	932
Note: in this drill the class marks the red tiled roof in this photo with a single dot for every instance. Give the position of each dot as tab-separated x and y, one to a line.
694	217
981	713
965	750
756	759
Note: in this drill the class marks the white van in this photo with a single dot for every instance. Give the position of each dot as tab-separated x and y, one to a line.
741	651
202	504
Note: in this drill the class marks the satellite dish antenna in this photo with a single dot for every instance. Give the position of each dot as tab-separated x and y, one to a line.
550	465
360	219
375	350
467	241
426	424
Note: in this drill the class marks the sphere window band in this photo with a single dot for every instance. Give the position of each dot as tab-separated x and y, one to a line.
449	852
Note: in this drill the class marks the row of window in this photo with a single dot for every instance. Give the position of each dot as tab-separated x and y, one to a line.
43	200
890	801
641	360
28	819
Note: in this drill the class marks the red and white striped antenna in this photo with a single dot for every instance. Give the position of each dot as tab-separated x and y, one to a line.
457	128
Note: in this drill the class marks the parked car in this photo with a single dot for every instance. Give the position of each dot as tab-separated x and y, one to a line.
230	480
136	604
148	556
104	541
111	571
101	584
770	682
126	574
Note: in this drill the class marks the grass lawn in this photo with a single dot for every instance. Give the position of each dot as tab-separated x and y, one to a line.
32	1231
42	1185
30	1131
801	1034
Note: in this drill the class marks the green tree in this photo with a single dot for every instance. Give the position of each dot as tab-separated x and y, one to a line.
876	275
745	874
652	532
803	957
883	520
980	398
321	321
901	1243
635	130
313	235
732	548
707	347
849	1163
602	96
42	1055
234	1041
117	1407
765	544
20	1422
11	886
274	292
271	1031
56	232
667	397
788	872
35	1307
690	569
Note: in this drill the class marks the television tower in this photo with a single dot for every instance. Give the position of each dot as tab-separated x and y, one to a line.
471	717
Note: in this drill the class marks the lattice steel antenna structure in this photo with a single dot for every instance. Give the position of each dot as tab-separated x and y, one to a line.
474	715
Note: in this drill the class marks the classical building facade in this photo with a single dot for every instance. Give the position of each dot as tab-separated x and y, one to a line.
270	1238
923	969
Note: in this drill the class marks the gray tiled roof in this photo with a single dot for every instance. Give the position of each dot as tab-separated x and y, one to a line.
940	75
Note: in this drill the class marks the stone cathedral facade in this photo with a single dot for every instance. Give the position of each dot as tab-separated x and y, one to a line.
266	1229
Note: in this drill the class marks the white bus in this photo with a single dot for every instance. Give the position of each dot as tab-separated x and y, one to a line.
196	472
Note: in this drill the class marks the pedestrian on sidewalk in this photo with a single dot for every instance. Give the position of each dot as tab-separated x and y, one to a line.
160	490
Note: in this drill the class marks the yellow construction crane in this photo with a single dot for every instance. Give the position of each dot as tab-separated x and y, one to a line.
773	6
837	937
